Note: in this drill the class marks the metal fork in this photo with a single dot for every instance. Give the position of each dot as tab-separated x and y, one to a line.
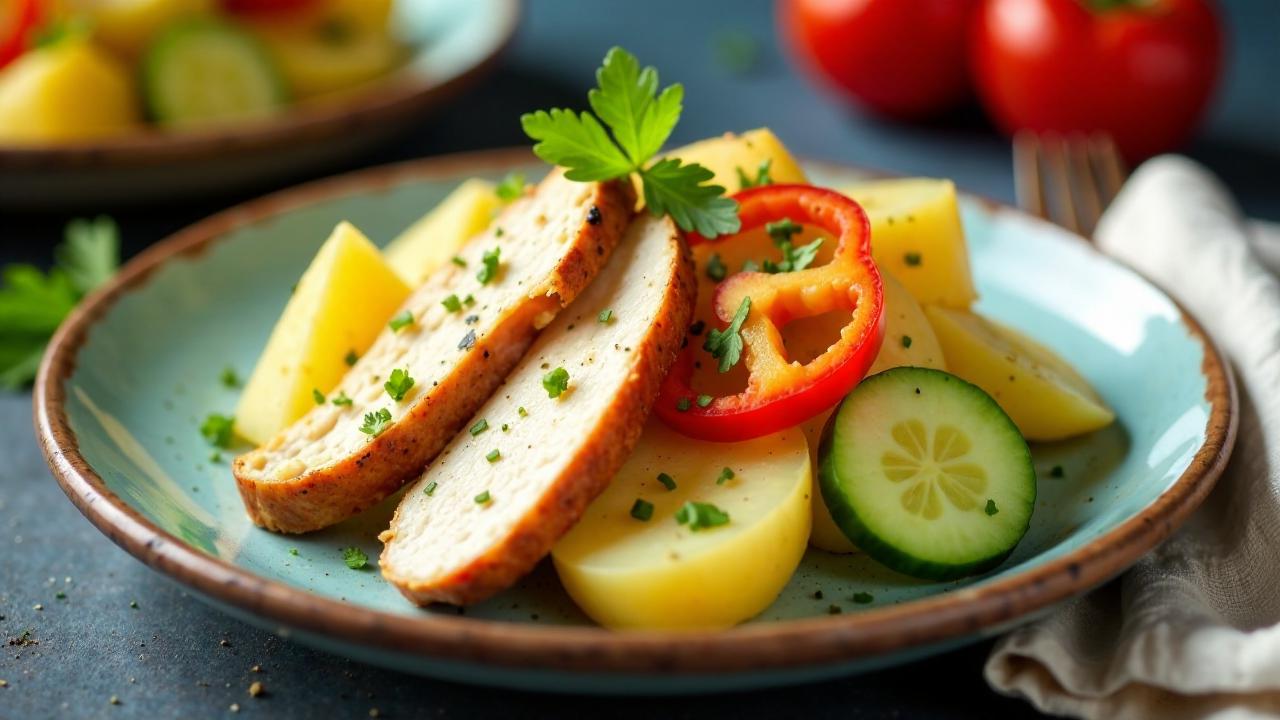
1067	179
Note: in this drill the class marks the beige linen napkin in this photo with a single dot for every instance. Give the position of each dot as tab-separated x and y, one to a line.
1192	630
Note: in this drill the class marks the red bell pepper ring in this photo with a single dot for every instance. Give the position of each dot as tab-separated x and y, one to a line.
781	393
17	29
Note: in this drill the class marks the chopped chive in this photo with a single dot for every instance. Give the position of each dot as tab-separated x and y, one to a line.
522	412
667	481
605	317
483	498
480	426
456	260
704	400
402	320
469	300
494	455
342	399
430	489
642	510
701	516
726	474
906	341
317	396
682	404
452	304
491	264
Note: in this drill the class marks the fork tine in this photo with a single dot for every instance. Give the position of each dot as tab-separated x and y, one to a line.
1084	188
1057	172
1028	176
1110	167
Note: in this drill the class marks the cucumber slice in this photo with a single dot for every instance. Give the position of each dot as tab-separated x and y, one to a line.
927	474
205	71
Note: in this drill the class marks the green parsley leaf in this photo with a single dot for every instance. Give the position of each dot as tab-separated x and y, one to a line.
229	378
457	260
863	598
704	400
782	230
715	268
639	120
90	252
355	558
522	412
511	187
483	498
452	304
469	300
667	481
605	317
493	455
218	430
906	341
682	405
342	400
215	457
912	259
376	423
293	552
701	516
726	345
399	384
402	320
317	396
726	474
480	426
350	358
556	382
430	489
642	510
801	257
490	269
991	508
762	177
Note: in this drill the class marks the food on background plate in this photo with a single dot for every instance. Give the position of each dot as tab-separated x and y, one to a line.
68	67
694	516
438	359
632	562
335	311
552	436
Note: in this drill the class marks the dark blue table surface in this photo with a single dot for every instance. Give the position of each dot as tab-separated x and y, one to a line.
172	656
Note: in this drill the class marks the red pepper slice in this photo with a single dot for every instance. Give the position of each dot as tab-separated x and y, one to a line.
781	393
21	23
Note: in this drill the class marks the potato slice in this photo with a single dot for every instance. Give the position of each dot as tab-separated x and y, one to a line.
727	154
128	26
340	305
916	234
435	238
909	340
629	573
1046	397
66	92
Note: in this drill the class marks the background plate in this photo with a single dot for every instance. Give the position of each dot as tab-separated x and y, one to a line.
132	374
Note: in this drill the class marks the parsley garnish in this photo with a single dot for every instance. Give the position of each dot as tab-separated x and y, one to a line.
667	481
906	341
726	345
457	260
750	266
483	498
218	430
793	258
762	175
726	474
991	508
375	423
293	552
350	358
1057	472
605	317
782	230
912	258
33	303
642	510
354	557
342	399
480	426
399	384
430	489
704	400
682	405
452	304
493	455
522	412
715	268
229	378
556	382
317	396
863	598
701	516
469	300
402	320
639	120
511	187
490	269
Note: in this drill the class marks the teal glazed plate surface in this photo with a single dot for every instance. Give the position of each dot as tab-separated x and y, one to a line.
129	378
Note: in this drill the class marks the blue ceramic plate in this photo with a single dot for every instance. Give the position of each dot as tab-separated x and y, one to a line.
129	378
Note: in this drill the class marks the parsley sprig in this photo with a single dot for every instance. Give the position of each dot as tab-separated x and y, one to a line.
639	119
726	345
33	303
793	258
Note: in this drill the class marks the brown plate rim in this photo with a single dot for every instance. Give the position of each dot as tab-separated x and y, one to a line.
399	92
765	646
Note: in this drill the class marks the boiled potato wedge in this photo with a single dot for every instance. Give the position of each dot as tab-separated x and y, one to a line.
916	235
625	572
909	340
730	153
1046	398
435	238
71	90
339	306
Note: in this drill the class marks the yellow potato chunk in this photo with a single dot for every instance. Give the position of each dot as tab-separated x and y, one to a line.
916	234
339	306
909	340
68	91
435	238
1046	398
729	153
626	572
127	26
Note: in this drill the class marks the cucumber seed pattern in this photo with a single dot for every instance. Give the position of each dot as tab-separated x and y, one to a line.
933	469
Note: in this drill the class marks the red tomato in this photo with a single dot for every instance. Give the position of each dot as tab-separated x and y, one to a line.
265	7
1141	71
17	26
901	58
